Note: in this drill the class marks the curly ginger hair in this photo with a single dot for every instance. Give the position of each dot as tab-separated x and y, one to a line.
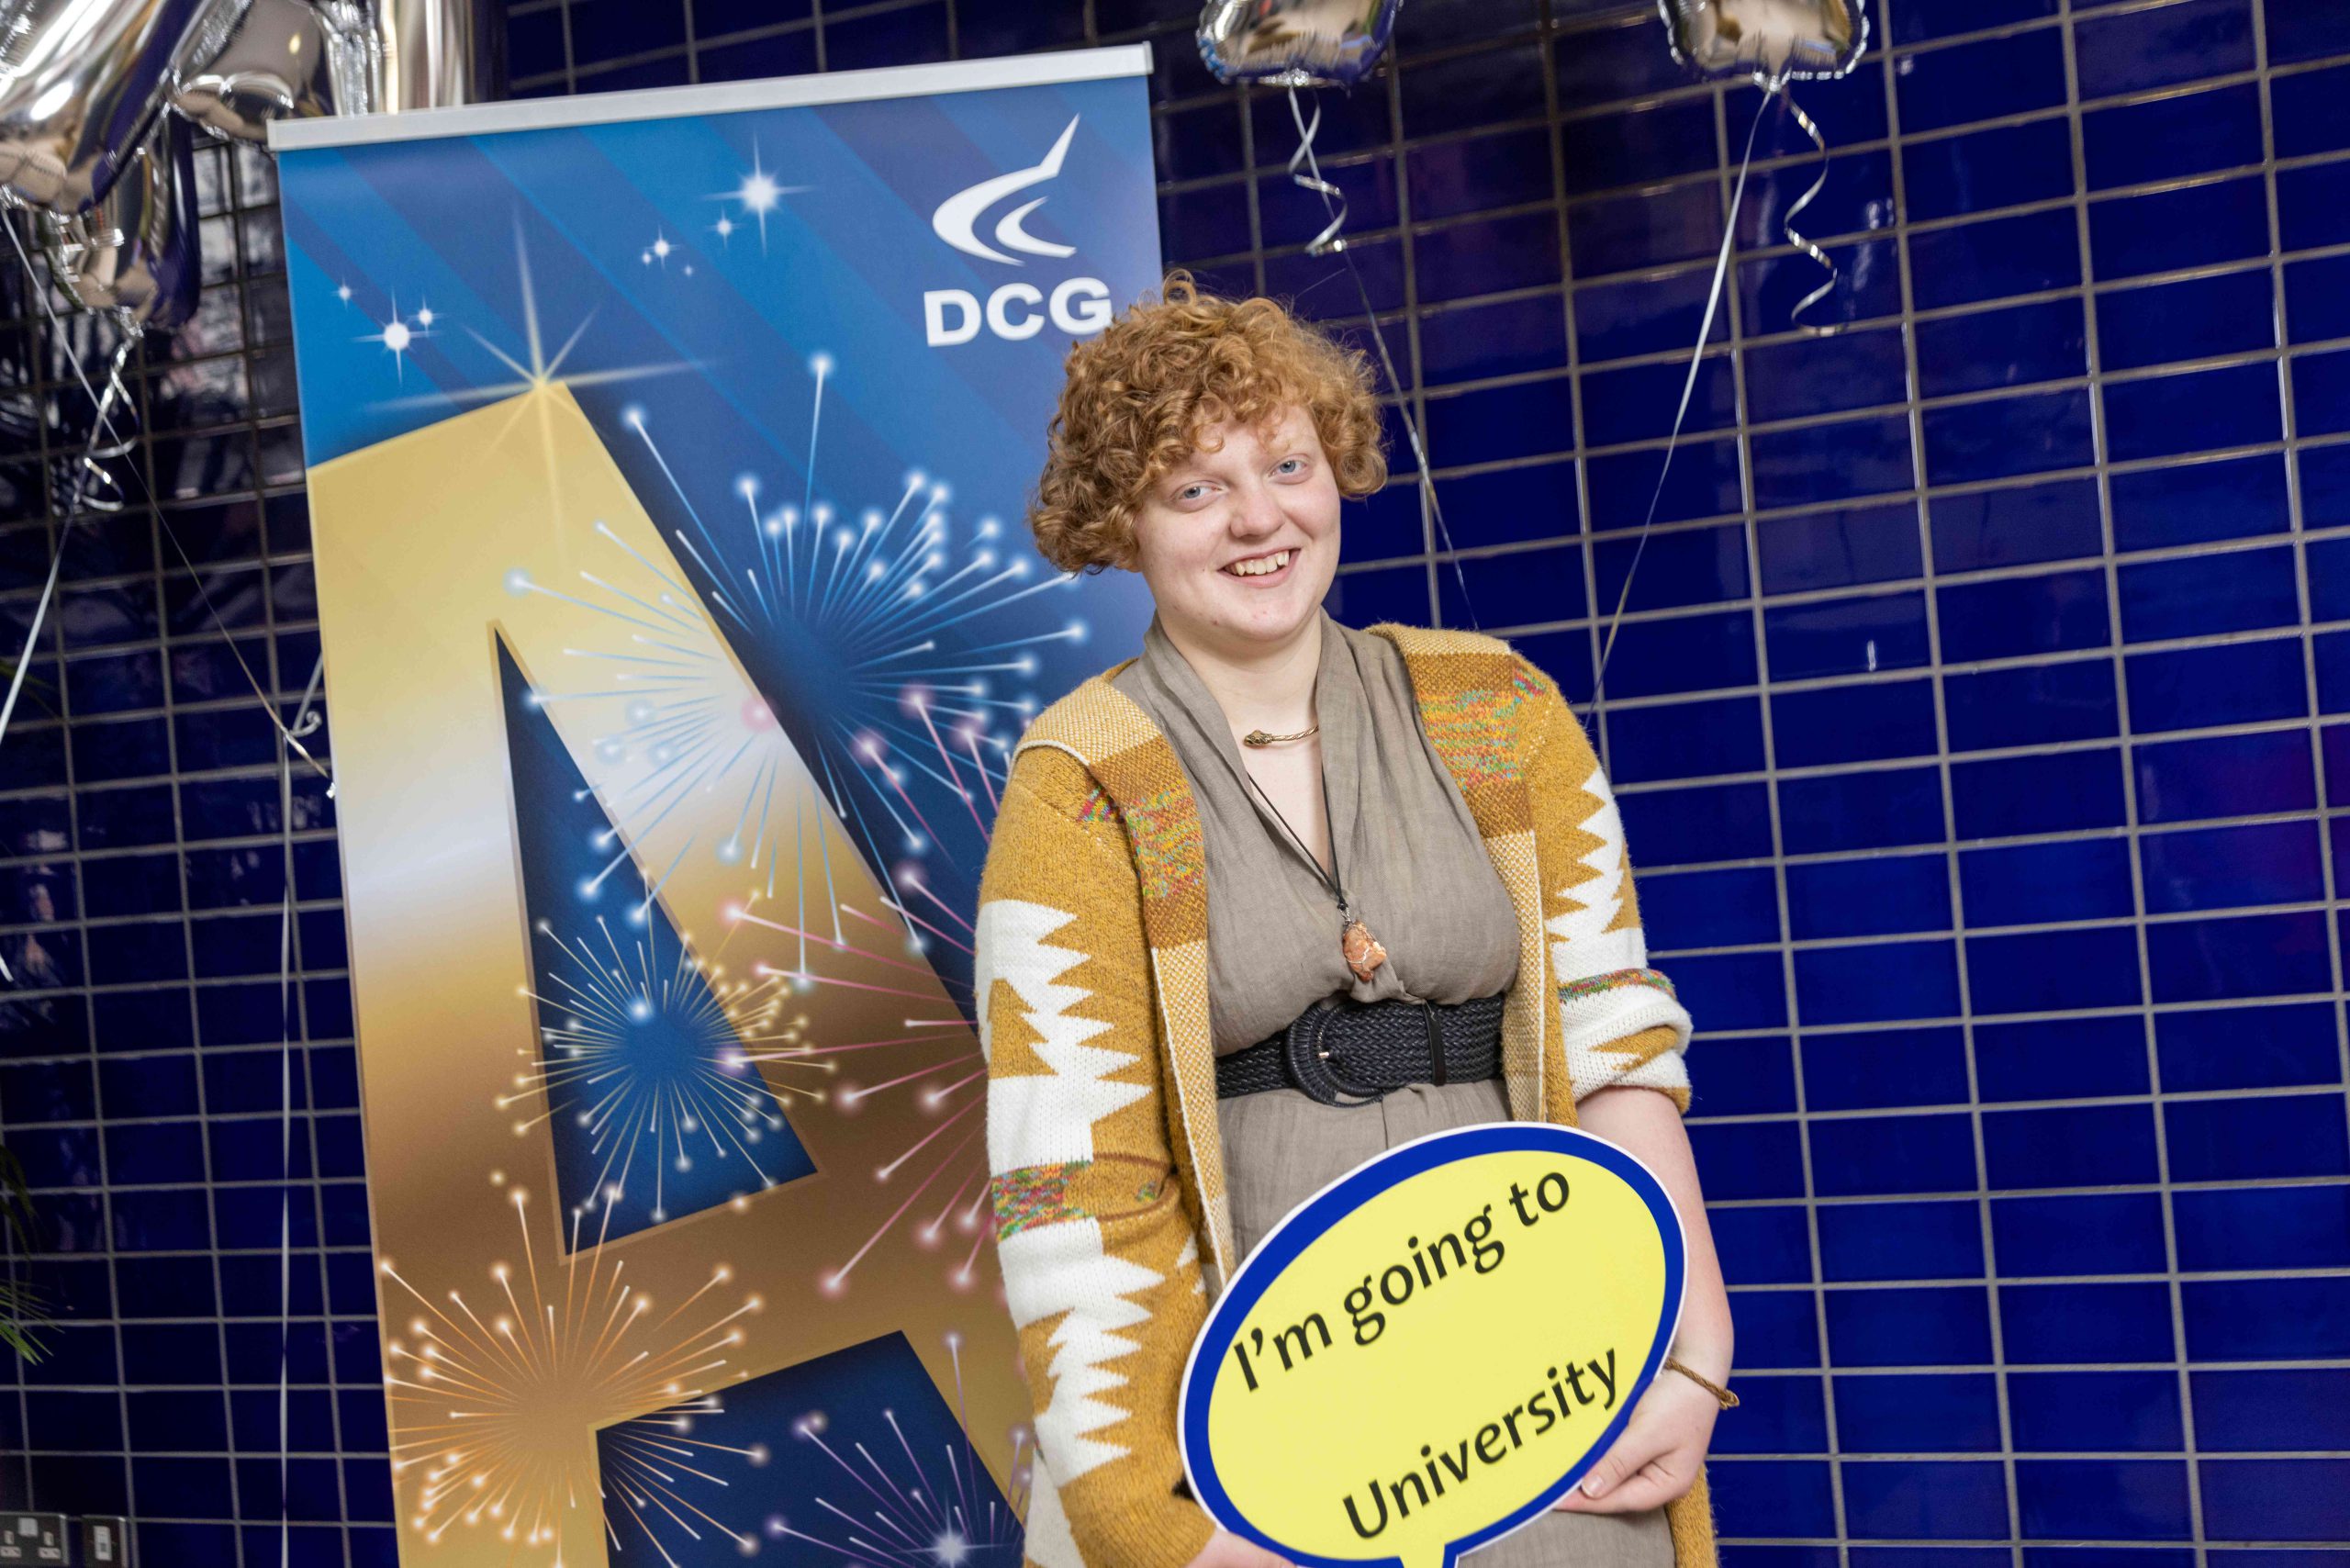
1140	397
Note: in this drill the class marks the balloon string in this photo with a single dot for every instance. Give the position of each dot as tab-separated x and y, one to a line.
1681	415
74	502
1800	240
88	465
1333	202
303	721
103	425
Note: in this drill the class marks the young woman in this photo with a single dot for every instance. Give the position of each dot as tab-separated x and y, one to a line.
1270	837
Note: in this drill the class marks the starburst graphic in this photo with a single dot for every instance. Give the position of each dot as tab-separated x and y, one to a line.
493	1397
917	1515
649	1063
399	336
535	368
758	194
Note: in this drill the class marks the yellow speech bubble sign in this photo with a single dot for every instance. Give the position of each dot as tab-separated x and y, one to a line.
1428	1352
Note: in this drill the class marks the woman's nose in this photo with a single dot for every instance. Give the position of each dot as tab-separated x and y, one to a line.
1254	512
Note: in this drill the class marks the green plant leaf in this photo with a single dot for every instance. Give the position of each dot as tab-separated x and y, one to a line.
22	1319
22	1315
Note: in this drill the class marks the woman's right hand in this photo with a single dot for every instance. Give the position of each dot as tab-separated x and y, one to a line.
1226	1550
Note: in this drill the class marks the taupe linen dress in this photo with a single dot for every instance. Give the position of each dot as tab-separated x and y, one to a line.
1416	873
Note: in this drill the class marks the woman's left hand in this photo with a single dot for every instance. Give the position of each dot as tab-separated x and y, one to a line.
1658	1456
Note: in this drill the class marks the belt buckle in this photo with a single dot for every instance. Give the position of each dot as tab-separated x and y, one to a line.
1309	1062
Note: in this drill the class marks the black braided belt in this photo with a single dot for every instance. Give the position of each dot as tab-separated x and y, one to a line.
1345	1053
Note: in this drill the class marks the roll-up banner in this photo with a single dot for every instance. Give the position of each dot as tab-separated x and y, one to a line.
667	459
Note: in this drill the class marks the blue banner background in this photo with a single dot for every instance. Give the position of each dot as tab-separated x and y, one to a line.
736	302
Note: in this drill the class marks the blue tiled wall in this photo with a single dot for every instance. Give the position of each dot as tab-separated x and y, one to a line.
144	851
1970	715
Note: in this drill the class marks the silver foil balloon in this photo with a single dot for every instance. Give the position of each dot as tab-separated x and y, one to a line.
80	82
440	52
1773	42
1296	43
247	63
135	253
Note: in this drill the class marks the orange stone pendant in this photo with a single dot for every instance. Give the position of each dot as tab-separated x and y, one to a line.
1364	954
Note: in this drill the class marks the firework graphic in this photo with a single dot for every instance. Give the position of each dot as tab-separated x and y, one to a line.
640	1069
900	655
650	1064
494	1403
873	1467
936	1061
884	1513
820	697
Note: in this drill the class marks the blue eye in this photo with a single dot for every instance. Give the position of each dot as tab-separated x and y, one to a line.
1291	465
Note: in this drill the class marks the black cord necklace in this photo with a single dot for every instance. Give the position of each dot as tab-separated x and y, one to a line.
1363	951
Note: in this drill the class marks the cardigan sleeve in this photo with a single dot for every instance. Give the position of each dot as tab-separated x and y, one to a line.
1098	1248
1620	1022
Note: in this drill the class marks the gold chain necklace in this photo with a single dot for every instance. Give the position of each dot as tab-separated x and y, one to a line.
1260	738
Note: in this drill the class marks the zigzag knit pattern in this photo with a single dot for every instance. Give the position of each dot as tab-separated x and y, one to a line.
1112	1225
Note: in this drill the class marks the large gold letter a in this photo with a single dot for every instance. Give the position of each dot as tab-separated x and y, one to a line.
508	1346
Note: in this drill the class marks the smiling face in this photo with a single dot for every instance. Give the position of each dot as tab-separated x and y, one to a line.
1239	540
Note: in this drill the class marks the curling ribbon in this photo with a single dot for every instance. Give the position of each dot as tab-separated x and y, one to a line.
1310	179
1333	202
1798	238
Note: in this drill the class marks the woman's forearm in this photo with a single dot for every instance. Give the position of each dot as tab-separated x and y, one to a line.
1648	1124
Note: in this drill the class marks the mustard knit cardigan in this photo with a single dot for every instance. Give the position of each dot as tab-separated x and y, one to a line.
1112	1222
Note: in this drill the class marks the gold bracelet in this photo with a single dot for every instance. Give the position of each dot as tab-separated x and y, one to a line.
1721	1396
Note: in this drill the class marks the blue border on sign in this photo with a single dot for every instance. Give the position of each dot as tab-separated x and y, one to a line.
1314	1219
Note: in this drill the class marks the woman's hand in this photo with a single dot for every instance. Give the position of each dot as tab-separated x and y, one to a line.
1658	1456
1226	1550
1661	1450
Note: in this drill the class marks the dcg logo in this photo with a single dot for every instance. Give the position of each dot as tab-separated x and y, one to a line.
1077	306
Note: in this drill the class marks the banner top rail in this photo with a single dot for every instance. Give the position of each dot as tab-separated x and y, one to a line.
718	97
